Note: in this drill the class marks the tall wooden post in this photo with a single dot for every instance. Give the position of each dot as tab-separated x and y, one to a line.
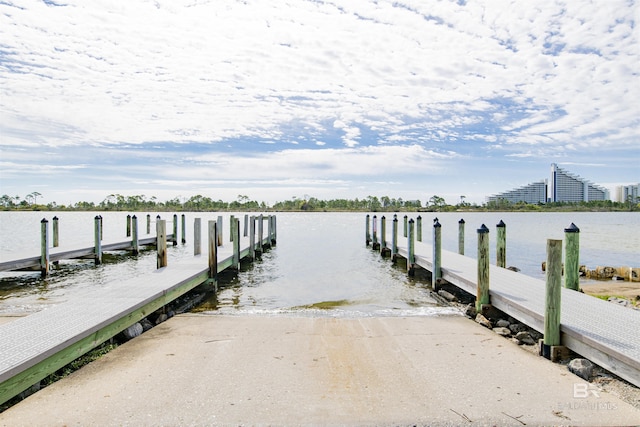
367	234
148	224
572	257
260	248
383	234
419	228
552	297
184	229
161	243
461	237
405	225
252	237
134	234
394	238
246	225
197	236
101	227
232	223
174	240
501	244
411	243
235	237
219	230
128	225
270	231
213	252
275	229
483	268
97	235
44	248
375	245
56	232
437	255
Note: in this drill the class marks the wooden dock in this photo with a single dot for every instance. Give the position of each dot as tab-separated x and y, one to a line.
604	333
33	347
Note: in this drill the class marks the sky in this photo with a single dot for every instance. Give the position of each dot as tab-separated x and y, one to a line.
306	98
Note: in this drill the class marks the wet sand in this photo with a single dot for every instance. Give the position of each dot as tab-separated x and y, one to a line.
618	288
231	370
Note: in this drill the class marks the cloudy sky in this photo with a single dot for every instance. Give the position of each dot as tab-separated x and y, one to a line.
329	99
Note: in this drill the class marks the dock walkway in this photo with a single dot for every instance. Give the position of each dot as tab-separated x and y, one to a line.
34	346
604	333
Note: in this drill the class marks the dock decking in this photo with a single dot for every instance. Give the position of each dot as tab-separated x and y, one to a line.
34	346
604	333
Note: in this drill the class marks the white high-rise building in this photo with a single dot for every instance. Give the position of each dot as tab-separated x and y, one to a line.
624	193
567	187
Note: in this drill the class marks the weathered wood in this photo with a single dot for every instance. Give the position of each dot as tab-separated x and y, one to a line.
552	295
44	248
213	251
405	225
375	245
501	244
235	237
252	237
128	225
275	229
411	245
134	235
394	238
482	296
572	257
461	237
367	232
270	237
184	229
197	236
98	239
219	230
419	228
383	235
174	238
259	248
56	232
246	225
232	224
148	224
437	255
161	242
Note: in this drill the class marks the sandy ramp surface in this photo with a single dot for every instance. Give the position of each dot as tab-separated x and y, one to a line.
232	370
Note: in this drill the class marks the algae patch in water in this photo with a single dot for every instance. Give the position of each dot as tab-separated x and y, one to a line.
324	305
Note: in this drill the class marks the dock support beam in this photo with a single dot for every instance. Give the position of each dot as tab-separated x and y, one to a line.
405	226
148	224
252	238
174	240
572	257
197	236
501	244
213	252
394	238
161	242
260	235
128	225
56	232
134	234
219	230
419	228
44	248
184	229
97	226
551	340
461	237
246	225
270	238
437	255
483	297
235	236
375	245
367	234
411	247
384	249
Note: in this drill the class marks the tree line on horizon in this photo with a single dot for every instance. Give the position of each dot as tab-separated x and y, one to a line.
199	203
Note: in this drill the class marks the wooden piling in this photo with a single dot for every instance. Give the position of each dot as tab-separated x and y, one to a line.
252	237
270	238
501	244
411	247
235	237
259	248
232	224
367	233
174	239
56	232
274	230
384	251
128	225
184	229
44	248
375	245
197	236
483	297
405	225
394	238
437	255
219	230
98	239
213	252
161	243
461	236
134	235
552	297
101	227
148	224
572	257
419	228
246	225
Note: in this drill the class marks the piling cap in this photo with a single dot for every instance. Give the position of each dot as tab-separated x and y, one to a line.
437	224
501	224
435	219
483	229
419	217
572	229
44	220
461	221
411	221
55	218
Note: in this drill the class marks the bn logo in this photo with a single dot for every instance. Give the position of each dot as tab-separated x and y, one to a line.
582	391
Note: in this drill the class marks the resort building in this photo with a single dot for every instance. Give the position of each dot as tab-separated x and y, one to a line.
567	187
532	193
625	193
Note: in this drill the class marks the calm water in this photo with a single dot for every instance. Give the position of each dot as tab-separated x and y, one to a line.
320	259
